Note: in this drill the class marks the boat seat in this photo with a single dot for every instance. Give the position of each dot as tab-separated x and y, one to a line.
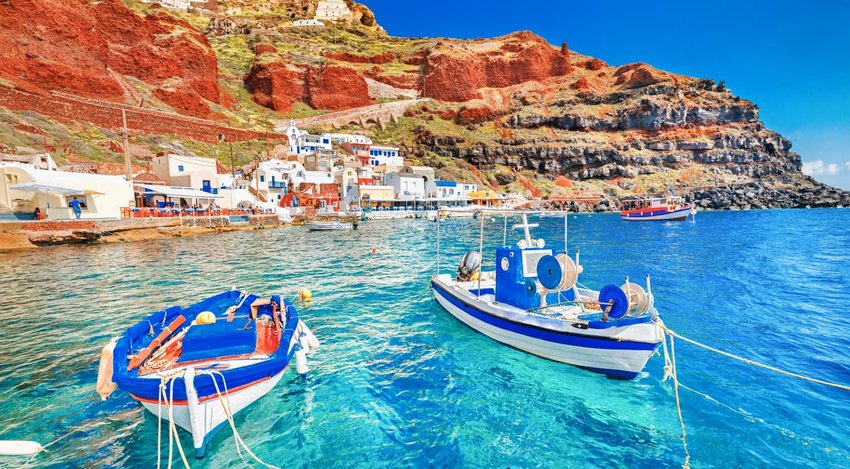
222	339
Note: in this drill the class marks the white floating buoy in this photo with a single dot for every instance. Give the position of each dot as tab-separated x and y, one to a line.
19	448
301	361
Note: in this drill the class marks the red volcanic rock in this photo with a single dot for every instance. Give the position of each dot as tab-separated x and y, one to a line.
275	86
474	114
408	81
593	64
637	76
264	48
334	87
455	71
183	99
72	45
383	58
581	84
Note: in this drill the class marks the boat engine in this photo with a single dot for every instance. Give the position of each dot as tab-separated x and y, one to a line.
469	265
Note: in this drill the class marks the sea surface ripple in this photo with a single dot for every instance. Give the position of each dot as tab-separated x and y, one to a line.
399	383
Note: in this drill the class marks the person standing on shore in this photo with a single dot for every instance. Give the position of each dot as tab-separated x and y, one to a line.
75	205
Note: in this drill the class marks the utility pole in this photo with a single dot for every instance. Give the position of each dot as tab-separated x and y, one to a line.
126	148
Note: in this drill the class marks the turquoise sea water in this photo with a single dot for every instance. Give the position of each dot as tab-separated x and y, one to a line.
399	383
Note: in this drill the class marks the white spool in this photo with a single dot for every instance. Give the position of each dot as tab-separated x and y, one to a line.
19	448
638	299
301	361
570	272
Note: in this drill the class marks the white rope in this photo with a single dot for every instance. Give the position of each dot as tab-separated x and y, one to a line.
226	407
174	426
752	362
670	370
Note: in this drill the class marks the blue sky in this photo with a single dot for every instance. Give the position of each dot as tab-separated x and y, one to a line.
792	58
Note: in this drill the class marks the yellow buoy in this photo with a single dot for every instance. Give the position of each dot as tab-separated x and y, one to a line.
206	317
474	276
304	294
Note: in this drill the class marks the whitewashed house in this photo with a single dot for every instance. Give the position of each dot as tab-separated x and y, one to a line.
308	23
385	156
272	178
333	10
187	171
23	188
406	186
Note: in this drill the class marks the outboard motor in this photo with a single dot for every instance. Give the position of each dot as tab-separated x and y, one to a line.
469	264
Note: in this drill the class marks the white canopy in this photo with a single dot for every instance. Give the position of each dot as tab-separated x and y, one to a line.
52	188
184	192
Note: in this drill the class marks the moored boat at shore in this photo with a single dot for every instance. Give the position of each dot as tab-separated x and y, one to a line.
198	366
335	225
670	208
533	302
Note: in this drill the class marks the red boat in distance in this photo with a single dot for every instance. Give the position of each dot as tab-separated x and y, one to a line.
670	208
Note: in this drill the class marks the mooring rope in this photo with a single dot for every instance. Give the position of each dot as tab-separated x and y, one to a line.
670	371
226	408
752	362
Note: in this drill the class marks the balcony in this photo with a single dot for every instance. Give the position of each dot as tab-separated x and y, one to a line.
277	185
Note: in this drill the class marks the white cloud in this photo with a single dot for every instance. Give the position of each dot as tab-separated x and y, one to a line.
819	168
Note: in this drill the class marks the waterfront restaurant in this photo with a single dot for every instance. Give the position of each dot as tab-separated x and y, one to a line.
23	189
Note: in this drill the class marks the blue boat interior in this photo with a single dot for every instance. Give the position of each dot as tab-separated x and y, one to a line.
208	341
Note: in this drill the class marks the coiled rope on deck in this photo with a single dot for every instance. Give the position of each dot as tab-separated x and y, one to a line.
670	371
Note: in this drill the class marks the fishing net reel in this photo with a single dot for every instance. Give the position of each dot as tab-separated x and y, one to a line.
470	265
628	300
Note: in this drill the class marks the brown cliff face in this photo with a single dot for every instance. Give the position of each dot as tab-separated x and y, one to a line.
80	47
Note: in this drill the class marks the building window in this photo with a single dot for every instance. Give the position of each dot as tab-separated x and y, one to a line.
262	178
180	168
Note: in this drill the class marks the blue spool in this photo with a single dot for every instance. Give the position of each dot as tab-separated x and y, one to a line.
616	294
549	272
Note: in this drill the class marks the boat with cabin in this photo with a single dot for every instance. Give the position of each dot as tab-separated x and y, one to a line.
670	208
533	301
196	367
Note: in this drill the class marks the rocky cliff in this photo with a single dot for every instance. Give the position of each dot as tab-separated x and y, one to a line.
94	49
514	113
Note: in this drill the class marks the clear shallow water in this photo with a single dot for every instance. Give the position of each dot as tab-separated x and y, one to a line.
399	383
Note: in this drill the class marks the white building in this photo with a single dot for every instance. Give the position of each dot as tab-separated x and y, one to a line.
333	10
187	171
308	23
339	139
40	161
406	186
385	156
303	143
273	178
23	188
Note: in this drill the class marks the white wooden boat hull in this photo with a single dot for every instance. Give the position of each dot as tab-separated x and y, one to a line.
209	416
615	351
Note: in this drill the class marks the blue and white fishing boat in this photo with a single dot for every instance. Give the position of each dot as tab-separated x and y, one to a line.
532	301
198	366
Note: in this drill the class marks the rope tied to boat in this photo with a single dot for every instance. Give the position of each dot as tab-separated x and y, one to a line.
670	371
225	405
